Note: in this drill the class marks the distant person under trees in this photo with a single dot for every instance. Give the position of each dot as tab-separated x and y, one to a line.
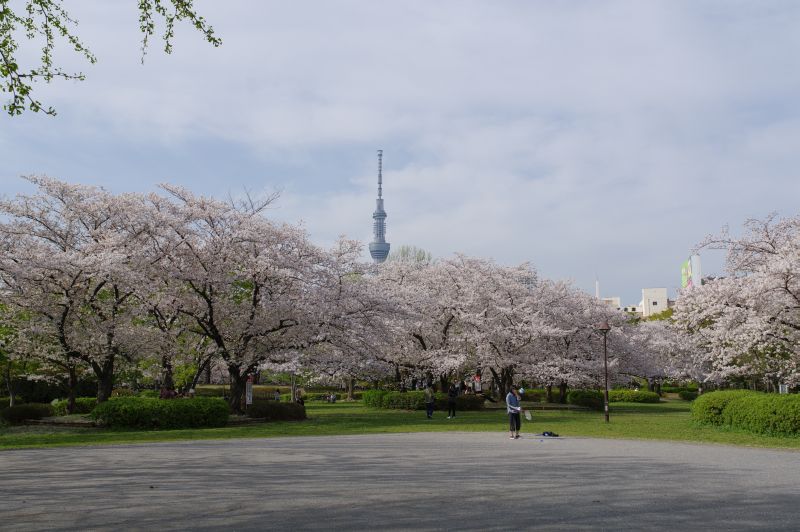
452	394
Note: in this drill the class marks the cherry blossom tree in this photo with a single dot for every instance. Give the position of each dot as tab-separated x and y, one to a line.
572	355
748	323
427	339
352	314
247	284
66	262
503	314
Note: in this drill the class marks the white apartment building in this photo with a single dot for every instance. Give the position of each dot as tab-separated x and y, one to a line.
654	301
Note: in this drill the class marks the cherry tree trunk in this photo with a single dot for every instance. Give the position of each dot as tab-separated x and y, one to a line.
204	372
167	378
504	381
238	387
549	390
72	383
105	379
562	392
9	384
350	385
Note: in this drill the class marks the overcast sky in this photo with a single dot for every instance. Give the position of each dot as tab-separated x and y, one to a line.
587	137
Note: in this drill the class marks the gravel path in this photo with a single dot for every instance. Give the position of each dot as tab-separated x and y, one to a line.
422	481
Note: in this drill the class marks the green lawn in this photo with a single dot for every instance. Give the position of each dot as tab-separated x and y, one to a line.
668	420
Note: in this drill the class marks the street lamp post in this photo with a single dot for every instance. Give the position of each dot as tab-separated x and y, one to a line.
604	328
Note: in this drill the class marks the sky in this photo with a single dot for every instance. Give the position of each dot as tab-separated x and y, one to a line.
594	139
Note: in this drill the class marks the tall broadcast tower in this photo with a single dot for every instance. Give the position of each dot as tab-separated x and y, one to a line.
379	247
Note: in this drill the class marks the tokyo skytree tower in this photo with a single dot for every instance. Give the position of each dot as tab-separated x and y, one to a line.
379	247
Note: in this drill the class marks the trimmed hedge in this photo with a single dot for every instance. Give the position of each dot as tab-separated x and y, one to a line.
679	389
589	398
147	413
152	394
463	402
764	413
632	396
322	396
708	407
267	392
83	405
276	411
210	391
534	396
18	413
405	400
416	400
37	391
374	398
686	395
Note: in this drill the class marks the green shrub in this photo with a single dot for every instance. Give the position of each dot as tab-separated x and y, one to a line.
83	405
374	398
357	396
632	396
762	413
708	407
404	400
322	396
147	413
534	396
691	387
276	411
19	413
589	398
463	402
152	394
415	400
37	391
210	391
686	395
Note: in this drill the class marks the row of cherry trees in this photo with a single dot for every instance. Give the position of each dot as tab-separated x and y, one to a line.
94	281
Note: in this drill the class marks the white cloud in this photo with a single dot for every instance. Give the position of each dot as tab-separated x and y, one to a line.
589	137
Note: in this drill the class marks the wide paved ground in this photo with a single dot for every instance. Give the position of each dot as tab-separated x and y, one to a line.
424	481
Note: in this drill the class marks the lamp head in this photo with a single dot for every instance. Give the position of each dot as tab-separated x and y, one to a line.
603	327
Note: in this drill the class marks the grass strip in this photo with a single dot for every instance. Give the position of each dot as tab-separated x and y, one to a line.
669	420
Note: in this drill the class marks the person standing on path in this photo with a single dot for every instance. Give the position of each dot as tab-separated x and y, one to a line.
430	399
452	393
514	409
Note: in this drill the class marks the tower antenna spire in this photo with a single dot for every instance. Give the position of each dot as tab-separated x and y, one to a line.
380	174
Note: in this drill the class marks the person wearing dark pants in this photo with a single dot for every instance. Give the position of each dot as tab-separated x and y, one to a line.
452	393
514	409
430	399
